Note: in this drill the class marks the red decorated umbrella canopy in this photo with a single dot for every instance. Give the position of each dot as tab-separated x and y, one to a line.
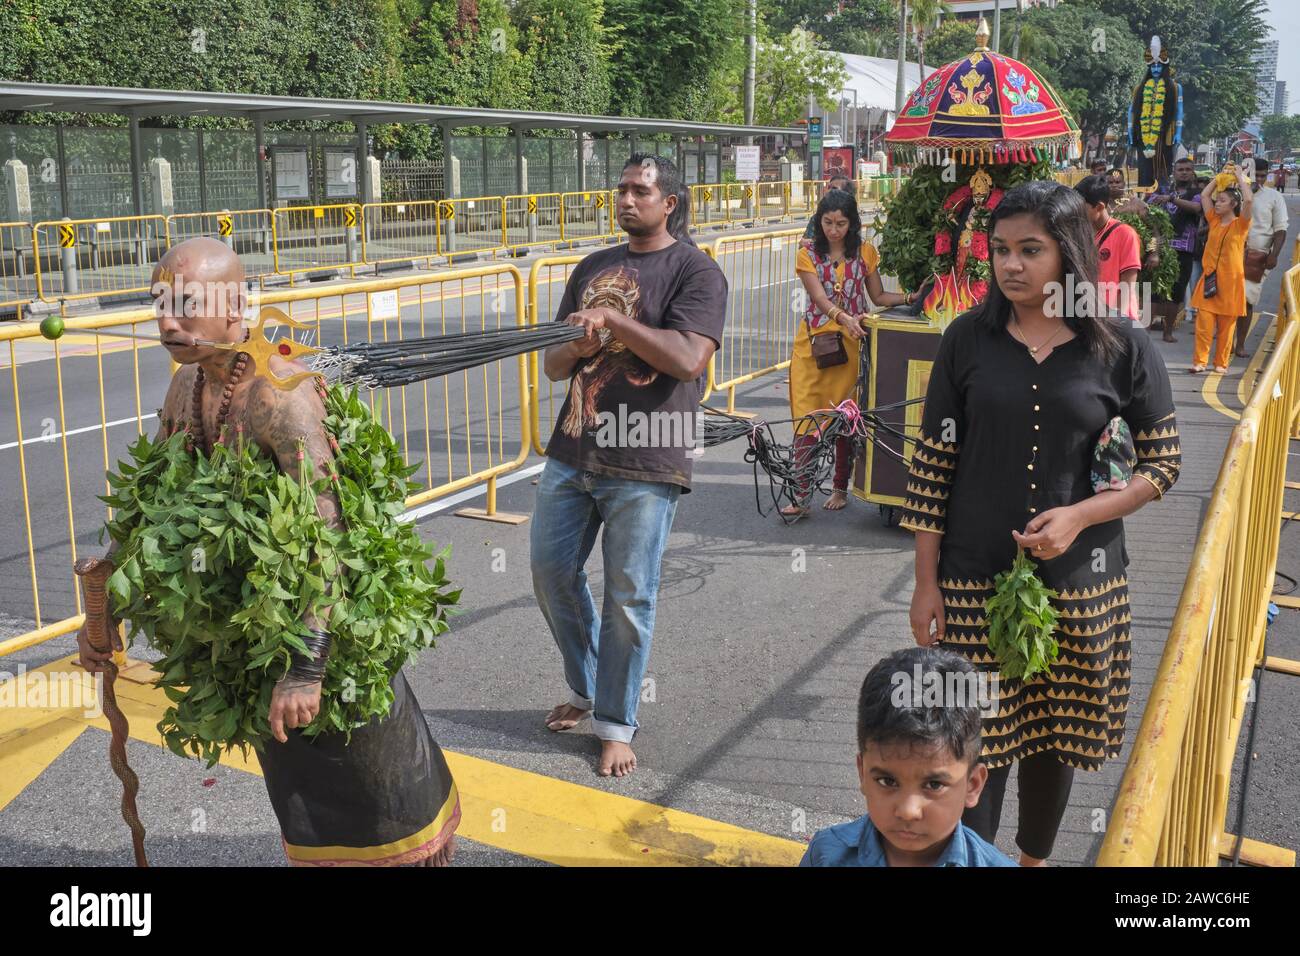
983	108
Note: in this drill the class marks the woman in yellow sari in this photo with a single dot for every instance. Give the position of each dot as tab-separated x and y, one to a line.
840	274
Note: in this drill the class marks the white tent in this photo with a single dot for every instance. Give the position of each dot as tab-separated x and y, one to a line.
866	103
875	79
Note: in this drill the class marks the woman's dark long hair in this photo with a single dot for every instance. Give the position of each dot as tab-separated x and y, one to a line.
836	200
1062	212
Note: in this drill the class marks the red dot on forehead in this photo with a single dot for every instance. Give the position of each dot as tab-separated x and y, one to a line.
284	348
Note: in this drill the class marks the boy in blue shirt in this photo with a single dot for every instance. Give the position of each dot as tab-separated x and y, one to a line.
919	767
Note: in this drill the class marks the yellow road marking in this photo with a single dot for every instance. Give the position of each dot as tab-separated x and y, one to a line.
514	810
1247	383
25	753
1210	395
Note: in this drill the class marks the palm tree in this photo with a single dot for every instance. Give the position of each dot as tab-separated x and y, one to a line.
925	16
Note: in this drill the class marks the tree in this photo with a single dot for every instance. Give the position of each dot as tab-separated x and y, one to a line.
952	40
566	53
925	16
1211	45
670	53
1281	133
1092	60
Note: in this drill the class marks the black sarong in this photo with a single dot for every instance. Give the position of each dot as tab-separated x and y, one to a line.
384	799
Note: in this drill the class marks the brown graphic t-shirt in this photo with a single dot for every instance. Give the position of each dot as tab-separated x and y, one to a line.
622	417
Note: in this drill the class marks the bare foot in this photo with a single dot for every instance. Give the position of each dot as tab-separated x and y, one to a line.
565	717
794	511
616	758
1241	353
444	856
1168	338
836	501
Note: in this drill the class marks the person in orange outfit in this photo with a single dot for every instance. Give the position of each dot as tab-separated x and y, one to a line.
1220	294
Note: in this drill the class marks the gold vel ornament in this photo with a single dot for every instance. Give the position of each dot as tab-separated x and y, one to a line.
259	349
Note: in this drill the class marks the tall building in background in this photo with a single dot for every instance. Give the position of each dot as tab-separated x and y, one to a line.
1265	80
1281	100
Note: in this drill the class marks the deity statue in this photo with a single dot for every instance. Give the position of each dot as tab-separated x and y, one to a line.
1155	117
961	249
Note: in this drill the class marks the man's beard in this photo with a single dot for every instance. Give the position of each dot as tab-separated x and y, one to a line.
640	230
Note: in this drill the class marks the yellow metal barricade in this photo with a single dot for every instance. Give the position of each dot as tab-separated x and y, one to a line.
87	258
466	429
586	215
533	220
317	238
771	199
1173	798
401	232
742	203
764	306
473	225
17	268
709	204
74	426
247	231
804	196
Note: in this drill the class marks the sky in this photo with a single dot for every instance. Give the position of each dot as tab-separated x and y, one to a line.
1284	17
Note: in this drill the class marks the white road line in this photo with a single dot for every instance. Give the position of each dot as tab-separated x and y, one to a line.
436	506
76	431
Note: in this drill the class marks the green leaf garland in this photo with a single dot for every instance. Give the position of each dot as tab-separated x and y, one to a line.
220	558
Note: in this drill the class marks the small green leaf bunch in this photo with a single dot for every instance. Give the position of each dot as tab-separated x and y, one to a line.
221	557
1022	621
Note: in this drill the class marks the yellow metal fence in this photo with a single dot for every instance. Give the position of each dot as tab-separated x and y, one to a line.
466	429
1173	798
317	238
401	232
69	260
17	268
764	307
249	232
89	258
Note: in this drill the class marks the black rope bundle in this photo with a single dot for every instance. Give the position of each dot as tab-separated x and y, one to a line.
794	473
403	361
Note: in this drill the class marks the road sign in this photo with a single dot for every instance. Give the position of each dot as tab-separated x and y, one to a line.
600	200
319	213
532	204
349	216
67	236
708	195
224	226
749	192
747	163
448	211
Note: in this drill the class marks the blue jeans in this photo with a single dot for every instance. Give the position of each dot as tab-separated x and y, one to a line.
605	657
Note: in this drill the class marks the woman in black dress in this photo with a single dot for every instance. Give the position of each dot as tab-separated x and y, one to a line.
1021	390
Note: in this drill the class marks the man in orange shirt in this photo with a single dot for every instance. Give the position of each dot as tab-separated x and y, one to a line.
1220	294
1118	249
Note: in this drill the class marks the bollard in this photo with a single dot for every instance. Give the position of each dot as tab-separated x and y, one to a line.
351	238
451	232
230	239
532	218
70	286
